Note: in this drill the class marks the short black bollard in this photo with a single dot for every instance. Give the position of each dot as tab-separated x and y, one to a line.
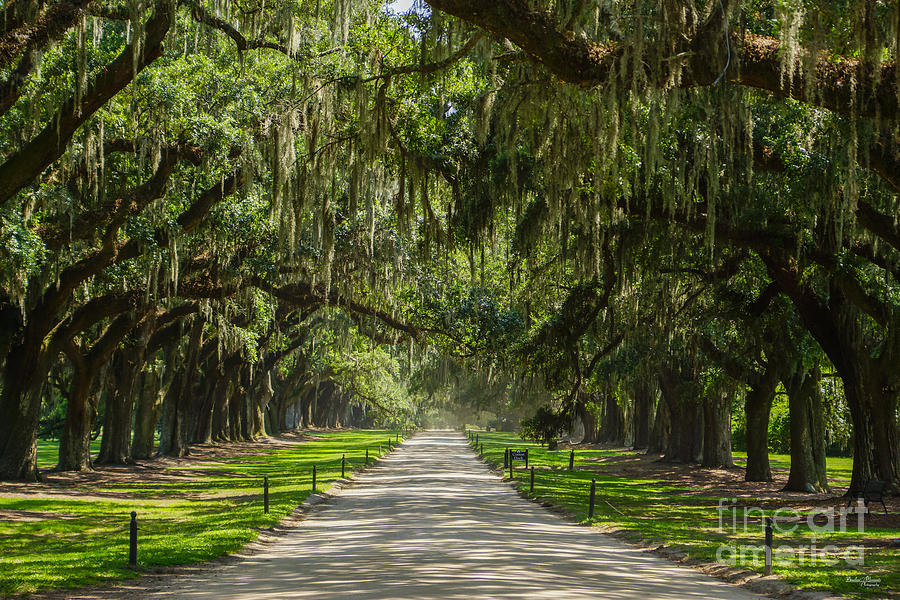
266	494
132	540
476	439
571	459
482	449
531	487
343	464
526	458
591	502
314	478
768	545
511	468
367	457
506	458
398	437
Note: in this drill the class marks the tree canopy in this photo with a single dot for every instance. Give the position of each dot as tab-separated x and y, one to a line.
222	218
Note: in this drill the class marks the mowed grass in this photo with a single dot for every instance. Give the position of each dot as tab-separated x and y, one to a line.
657	511
48	452
85	539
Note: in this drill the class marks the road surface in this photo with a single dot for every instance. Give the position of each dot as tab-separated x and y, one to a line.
431	521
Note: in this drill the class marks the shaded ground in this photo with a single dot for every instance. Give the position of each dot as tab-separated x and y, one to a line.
697	481
113	481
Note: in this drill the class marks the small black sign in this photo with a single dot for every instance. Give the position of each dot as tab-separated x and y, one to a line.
517	454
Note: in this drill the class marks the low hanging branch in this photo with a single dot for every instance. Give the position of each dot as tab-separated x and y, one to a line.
43	317
201	15
26	164
304	295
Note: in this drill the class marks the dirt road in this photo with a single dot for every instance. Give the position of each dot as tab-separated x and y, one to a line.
433	522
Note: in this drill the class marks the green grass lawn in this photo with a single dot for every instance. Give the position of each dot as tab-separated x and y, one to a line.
180	521
48	452
659	512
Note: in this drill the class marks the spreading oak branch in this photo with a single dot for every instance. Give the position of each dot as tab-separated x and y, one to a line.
843	85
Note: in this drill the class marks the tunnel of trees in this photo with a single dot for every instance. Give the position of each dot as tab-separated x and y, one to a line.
222	219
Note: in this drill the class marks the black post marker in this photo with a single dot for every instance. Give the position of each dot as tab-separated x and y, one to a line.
506	458
132	540
314	478
510	467
591	502
571	459
476	439
367	457
482	449
526	458
266	494
343	464
768	545
531	487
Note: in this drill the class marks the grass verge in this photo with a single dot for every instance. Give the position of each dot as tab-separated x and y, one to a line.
77	536
659	512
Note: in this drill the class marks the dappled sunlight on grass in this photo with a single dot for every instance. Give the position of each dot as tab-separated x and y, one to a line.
656	511
181	521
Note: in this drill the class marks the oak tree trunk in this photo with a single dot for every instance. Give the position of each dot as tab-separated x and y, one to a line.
804	402
717	430
643	408
75	440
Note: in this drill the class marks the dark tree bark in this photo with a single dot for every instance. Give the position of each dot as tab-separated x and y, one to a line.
115	445
757	407
804	403
153	388
643	398
583	411
75	440
220	415
612	421
25	35
175	431
682	394
871	379
659	434
203	427
20	403
11	89
235	412
717	429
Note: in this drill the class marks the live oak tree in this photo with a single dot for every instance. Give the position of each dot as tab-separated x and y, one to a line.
208	207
